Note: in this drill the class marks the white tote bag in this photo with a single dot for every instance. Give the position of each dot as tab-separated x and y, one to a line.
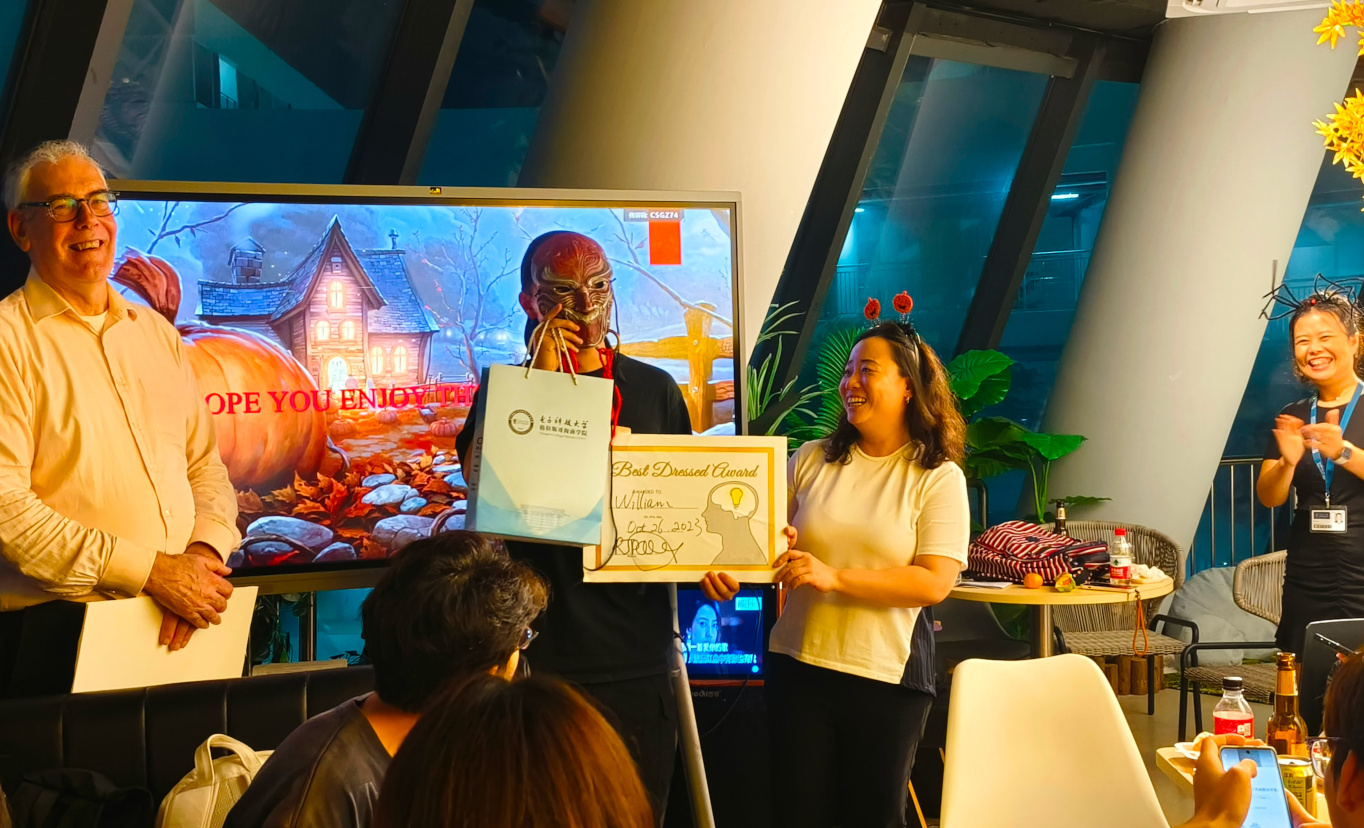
203	798
540	461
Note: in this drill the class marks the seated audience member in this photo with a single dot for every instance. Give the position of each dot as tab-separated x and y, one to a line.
448	606
1222	796
532	753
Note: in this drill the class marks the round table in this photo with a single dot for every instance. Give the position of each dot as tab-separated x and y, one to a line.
1044	598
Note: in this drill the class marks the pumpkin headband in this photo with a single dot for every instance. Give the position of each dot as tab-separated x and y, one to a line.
1282	302
903	303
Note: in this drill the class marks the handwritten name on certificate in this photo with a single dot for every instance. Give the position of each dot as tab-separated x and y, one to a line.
680	507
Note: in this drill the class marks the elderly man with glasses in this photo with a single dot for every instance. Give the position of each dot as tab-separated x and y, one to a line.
110	480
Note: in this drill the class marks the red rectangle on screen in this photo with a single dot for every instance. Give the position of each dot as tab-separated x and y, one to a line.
665	242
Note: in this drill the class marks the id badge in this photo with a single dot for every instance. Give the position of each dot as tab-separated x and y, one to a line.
1329	521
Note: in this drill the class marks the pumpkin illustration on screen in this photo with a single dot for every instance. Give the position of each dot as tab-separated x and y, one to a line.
257	448
444	428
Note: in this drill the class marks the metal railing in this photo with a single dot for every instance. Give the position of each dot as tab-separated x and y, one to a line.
1234	525
1052	281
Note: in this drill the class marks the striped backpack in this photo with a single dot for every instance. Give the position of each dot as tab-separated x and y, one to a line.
1011	550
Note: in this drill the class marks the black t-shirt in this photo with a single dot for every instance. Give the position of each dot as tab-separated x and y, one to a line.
326	774
1346	489
604	632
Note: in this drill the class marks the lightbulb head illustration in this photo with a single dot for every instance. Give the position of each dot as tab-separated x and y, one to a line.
729	512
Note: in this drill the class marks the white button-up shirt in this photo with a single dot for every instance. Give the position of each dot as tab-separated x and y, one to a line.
107	451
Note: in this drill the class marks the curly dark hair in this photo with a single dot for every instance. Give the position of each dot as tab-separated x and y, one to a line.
448	606
935	424
531	753
1332	303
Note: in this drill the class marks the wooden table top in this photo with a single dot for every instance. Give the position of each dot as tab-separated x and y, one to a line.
1180	769
1016	594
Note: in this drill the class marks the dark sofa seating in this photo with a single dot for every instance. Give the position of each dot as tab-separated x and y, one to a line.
146	738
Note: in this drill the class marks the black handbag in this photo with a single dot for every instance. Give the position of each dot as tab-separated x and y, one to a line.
74	798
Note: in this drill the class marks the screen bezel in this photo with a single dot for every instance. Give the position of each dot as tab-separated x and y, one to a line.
360	574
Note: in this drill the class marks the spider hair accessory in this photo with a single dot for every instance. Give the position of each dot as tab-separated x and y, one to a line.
1282	302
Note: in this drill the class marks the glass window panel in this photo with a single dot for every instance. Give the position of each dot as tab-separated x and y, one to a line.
934	193
1040	321
12	14
243	90
496	87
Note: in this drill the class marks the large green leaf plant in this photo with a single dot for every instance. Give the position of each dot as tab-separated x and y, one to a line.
995	445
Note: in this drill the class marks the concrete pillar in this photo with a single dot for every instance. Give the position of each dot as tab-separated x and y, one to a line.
1213	183
704	95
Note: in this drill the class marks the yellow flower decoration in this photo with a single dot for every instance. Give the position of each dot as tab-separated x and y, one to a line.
1344	130
1341	14
1344	134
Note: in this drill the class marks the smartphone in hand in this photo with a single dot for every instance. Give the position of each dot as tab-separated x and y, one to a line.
1268	800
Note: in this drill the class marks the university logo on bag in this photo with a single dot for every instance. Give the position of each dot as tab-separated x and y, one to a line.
521	421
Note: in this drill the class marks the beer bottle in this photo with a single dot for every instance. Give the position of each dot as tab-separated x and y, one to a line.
1061	520
1287	732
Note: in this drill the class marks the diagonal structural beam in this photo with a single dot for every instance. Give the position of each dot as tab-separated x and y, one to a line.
397	124
47	77
1044	157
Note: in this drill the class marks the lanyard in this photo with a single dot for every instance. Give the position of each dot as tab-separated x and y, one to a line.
1328	467
608	371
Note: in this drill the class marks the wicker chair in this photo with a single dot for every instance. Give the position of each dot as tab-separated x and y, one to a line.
1257	588
1107	629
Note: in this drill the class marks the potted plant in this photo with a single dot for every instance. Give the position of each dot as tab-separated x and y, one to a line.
995	445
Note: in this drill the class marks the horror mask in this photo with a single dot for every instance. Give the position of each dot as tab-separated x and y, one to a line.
570	269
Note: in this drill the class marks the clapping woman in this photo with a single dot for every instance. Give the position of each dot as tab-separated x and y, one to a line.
1313	451
880	530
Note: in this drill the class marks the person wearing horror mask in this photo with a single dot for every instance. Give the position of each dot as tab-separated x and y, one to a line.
613	640
570	293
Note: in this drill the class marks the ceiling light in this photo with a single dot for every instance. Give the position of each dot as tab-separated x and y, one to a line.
1064	196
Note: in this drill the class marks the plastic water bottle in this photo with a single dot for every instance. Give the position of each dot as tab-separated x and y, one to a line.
1233	714
1120	559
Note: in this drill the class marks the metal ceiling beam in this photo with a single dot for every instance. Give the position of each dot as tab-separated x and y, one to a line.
397	125
47	78
812	260
1025	208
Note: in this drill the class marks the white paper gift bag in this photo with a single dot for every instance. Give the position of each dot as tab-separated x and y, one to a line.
541	454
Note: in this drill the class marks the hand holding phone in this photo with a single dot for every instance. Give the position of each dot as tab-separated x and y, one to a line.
1268	799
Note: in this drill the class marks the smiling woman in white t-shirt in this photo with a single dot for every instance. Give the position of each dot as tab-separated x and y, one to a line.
881	527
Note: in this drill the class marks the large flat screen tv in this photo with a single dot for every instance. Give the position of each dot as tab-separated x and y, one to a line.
336	334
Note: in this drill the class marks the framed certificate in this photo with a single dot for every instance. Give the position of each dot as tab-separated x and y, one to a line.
679	507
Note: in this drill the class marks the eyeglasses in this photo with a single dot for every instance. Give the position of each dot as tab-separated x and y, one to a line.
1322	749
527	637
65	208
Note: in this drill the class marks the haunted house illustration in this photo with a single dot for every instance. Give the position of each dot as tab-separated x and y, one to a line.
350	316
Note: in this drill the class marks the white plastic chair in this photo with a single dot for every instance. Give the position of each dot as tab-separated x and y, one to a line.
1042	743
